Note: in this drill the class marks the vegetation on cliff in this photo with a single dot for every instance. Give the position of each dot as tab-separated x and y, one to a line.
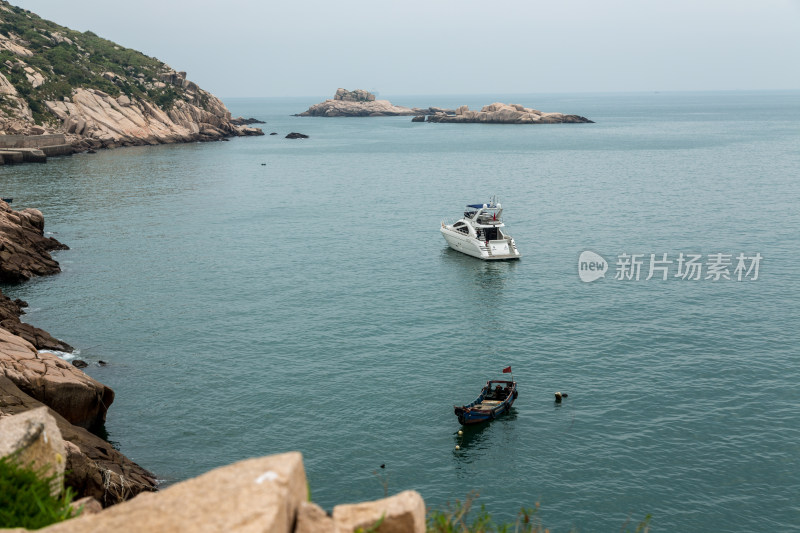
26	498
46	61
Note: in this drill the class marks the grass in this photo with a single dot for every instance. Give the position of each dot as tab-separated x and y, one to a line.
26	499
457	519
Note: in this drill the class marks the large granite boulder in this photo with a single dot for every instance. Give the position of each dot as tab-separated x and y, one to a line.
401	513
311	518
35	441
54	382
499	113
255	495
24	250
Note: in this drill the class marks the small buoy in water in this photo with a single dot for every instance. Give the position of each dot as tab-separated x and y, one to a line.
460	432
383	465
560	395
458	447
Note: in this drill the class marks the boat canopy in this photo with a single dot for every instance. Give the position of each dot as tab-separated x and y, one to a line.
482	206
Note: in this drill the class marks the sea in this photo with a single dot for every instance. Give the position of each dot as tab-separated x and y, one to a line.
266	294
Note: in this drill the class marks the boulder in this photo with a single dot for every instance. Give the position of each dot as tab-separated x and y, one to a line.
311	518
295	135
401	513
35	441
255	495
54	382
418	118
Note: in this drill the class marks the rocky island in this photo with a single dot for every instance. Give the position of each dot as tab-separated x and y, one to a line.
80	91
499	113
361	103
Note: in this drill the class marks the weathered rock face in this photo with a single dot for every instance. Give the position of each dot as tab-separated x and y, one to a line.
402	513
95	119
358	103
24	250
499	113
266	494
140	100
311	518
93	467
359	95
67	390
250	496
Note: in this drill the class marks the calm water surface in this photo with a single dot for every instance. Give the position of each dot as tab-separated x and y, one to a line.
264	295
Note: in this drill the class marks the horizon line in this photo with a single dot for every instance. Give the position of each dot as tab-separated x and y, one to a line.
547	93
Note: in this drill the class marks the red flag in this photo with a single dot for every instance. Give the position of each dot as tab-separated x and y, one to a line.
506	370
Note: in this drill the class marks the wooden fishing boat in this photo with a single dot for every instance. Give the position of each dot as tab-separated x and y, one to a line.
496	398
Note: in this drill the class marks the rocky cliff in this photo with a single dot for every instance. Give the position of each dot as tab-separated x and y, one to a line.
56	80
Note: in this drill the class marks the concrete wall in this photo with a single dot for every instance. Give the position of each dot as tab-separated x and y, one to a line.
31	141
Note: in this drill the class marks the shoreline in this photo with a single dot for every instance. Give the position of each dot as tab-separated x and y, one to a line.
32	376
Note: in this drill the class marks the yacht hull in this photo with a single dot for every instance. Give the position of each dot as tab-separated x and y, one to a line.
501	250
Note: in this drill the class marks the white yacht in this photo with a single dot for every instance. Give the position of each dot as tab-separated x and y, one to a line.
479	233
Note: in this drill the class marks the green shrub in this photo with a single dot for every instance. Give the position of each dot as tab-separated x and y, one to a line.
456	519
25	499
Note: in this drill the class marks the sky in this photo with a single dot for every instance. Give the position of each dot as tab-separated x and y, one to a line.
260	48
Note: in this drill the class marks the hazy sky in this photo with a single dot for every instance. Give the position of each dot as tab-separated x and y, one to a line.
311	47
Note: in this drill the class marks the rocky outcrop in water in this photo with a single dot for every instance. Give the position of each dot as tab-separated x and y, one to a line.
358	103
10	312
24	250
499	113
81	400
241	121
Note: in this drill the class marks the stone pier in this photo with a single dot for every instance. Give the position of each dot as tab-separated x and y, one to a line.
32	148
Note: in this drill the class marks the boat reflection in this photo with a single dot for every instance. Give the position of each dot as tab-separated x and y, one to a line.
490	277
479	437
